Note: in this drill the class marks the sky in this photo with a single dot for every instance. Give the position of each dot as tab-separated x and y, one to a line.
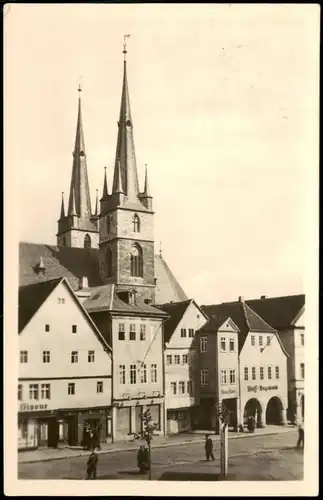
224	102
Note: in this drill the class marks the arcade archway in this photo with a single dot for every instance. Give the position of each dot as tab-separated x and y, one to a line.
274	411
252	409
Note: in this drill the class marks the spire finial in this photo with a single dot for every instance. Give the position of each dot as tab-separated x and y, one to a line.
105	185
125	45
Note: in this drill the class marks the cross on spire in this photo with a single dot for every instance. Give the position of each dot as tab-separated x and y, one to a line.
125	45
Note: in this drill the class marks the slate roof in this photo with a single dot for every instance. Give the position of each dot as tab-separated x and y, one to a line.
279	312
75	263
176	311
31	297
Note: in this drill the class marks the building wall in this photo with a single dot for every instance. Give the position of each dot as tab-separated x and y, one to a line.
75	238
228	360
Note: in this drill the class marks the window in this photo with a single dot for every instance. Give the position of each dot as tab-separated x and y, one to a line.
71	389
232	376
74	357
87	241
246	375
223	344
203	344
45	391
261	373
190	387
74	328
136	261
253	373
302	370
191	332
183	332
185	359
260	340
109	262
19	392
253	340
122	331
277	371
90	356
99	387
269	372
173	387
132	334
143	373
181	387
204	377
302	338
46	357
136	224
23	356
142	332
177	359
33	391
231	345
268	340
122	374
169	359
47	328
133	374
224	377
61	300
154	373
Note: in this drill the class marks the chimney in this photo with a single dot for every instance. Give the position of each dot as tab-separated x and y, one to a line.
241	299
84	283
263	297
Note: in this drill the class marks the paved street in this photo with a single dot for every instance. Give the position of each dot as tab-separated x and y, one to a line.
260	457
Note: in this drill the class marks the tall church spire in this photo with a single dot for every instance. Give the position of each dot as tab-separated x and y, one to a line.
62	216
79	182
125	152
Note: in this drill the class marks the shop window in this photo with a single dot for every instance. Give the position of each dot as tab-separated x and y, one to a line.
203	344
169	359
181	387
142	332
224	379
23	428
143	374
74	328
253	373
43	431
231	345
19	392
33	391
133	374
71	389
99	387
153	369
191	332
269	372
177	359
261	373
173	387
46	356
232	376
122	331
185	359
45	391
246	373
74	357
91	357
277	372
204	377
132	334
183	332
122	374
23	356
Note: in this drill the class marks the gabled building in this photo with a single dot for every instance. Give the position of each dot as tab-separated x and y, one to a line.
287	315
65	368
185	318
134	329
217	371
262	364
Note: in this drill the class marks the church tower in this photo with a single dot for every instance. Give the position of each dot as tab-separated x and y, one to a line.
126	221
79	227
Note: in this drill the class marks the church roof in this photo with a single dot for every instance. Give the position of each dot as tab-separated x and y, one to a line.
76	263
279	312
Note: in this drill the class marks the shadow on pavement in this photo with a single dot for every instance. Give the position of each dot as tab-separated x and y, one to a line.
133	473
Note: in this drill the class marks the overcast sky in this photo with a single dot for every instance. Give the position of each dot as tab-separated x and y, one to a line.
224	105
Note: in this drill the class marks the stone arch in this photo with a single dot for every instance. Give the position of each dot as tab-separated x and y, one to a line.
274	411
253	408
87	241
136	261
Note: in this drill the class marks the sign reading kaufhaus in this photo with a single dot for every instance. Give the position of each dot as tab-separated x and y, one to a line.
255	388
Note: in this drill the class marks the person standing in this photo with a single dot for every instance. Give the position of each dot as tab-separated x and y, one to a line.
300	441
208	448
91	465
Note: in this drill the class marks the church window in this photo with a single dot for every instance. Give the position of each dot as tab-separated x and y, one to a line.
136	224
136	261
87	241
109	262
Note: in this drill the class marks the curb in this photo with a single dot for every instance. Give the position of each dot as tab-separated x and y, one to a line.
161	445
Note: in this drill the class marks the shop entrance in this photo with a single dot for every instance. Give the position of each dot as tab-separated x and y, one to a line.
252	409
53	435
274	411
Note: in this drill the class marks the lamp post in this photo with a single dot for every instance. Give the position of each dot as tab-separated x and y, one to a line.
223	414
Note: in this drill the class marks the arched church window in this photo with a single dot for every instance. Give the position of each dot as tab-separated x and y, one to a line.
109	262
136	263
108	225
87	241
136	224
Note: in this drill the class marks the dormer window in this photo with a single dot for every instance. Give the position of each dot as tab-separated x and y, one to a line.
136	223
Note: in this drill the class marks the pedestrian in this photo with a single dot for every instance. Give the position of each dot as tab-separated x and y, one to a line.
300	441
208	448
92	465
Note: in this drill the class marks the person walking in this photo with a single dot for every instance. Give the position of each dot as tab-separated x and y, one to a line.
91	465
300	441
208	448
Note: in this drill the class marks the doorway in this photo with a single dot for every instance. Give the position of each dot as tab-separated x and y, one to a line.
273	411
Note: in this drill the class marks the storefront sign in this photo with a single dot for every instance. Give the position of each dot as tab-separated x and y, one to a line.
255	388
27	407
228	391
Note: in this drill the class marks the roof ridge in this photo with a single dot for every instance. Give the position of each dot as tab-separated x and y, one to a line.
246	315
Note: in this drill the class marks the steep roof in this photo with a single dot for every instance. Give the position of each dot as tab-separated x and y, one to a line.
76	263
214	323
176	311
31	297
279	312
